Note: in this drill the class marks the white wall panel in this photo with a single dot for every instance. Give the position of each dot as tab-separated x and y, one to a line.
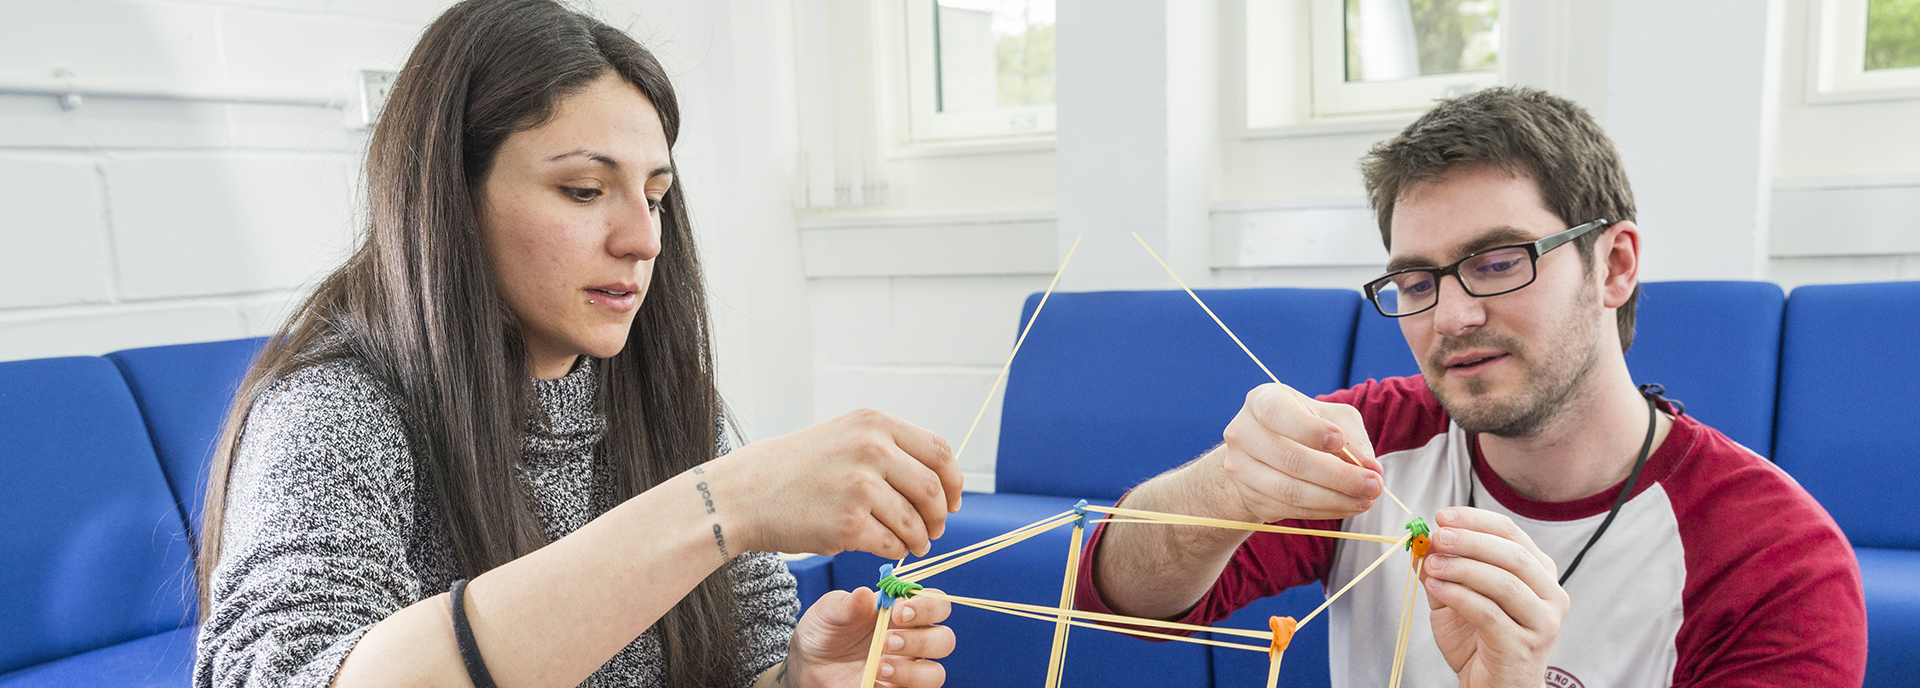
851	322
959	320
943	400
1794	272
112	328
1847	216
127	44
1009	244
53	242
289	127
191	226
308	54
38	122
1322	232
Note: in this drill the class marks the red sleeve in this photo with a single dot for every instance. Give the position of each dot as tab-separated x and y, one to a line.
1773	591
1397	412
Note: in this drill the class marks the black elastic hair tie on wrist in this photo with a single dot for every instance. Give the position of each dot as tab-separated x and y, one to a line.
463	634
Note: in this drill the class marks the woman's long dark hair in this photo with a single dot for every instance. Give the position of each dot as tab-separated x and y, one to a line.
417	304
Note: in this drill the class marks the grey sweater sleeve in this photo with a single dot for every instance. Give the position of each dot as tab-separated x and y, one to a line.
320	505
769	600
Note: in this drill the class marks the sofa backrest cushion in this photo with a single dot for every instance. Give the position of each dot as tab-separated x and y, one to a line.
1714	346
1849	394
1379	349
183	392
94	551
1111	388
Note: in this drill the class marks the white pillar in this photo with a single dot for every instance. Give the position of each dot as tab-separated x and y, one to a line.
1692	102
1138	140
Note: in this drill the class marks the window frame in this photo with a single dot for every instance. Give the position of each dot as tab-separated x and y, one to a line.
926	124
1334	96
1836	69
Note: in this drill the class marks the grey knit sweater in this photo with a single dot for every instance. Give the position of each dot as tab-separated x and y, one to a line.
327	533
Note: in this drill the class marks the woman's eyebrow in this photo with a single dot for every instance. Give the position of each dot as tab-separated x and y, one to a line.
601	158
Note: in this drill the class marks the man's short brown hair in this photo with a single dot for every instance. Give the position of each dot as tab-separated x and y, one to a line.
1523	131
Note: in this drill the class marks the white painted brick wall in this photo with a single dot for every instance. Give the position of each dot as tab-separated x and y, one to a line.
226	224
53	235
139	222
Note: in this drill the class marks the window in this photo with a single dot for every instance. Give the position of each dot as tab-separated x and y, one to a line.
980	68
1865	50
1376	56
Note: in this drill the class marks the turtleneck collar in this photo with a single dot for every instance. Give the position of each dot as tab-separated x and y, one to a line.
564	418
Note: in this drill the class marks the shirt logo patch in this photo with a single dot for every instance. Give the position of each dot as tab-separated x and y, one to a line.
1559	678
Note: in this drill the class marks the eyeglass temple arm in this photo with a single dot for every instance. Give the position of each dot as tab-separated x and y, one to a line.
1549	243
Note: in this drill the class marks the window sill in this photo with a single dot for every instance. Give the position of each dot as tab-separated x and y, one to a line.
1386	124
992	146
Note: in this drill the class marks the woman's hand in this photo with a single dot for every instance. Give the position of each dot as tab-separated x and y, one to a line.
830	645
864	481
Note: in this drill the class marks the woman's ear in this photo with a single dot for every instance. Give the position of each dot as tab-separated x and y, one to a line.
1618	261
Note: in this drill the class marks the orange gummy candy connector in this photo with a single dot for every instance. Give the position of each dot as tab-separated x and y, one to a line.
1283	628
1420	545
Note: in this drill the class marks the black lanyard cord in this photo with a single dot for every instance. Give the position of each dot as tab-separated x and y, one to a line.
1619	500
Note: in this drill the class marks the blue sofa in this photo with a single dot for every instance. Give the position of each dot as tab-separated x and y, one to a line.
102	458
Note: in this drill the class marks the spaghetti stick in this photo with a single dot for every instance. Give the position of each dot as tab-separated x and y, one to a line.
1273	670
1057	662
1183	519
1096	616
1016	350
1406	623
872	671
1049	523
929	572
1356	579
1383	539
1256	360
1122	631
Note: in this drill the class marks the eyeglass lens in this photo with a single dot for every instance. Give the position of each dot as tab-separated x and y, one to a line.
1494	272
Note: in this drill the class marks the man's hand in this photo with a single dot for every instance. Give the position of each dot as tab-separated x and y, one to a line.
1283	461
1497	605
829	648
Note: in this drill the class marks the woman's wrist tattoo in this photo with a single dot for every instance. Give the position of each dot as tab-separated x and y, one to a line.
706	495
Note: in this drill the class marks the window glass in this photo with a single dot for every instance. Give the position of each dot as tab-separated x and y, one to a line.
1388	40
993	54
1893	34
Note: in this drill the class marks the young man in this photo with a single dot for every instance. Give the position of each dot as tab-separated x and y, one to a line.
1584	532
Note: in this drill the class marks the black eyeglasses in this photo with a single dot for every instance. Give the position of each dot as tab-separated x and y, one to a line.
1492	272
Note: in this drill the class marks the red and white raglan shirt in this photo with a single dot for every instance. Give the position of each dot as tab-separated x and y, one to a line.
1719	570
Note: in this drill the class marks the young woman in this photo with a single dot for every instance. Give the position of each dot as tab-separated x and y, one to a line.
507	393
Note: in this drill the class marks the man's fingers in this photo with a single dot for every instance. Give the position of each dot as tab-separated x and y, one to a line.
1483	614
1517	603
1281	411
1354	428
1301	479
1272	493
1481	520
1499	552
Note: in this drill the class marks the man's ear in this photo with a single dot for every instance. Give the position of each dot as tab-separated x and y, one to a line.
1617	259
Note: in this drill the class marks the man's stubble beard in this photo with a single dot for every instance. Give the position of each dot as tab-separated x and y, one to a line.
1549	385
